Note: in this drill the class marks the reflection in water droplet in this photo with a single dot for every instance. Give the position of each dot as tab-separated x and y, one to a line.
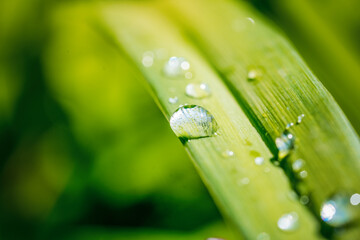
173	100
197	90
176	67
148	59
337	211
263	236
259	160
228	153
285	144
288	222
192	121
304	199
355	199
289	125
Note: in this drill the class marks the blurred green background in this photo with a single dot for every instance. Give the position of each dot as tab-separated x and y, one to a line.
86	153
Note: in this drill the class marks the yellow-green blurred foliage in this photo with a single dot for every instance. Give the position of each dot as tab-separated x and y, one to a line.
83	144
84	151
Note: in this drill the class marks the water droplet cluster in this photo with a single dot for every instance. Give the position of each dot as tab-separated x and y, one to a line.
176	67
339	209
285	144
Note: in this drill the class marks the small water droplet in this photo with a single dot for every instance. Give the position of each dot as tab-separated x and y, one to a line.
161	53
285	144
244	181
173	100
282	72
176	67
242	24
289	125
263	236
300	118
148	59
188	75
355	199
292	195
192	121
259	160
337	211
288	222
228	153
251	20
254	74
303	174
212	238
304	199
197	90
298	165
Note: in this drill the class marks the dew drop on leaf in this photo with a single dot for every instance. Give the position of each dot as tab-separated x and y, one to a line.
259	160
176	67
228	153
254	74
192	121
285	144
304	199
148	59
355	199
173	100
197	90
300	118
298	165
288	222
338	210
263	236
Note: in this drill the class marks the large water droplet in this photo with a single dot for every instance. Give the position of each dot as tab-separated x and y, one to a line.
197	90
285	144
192	121
288	222
176	67
338	210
